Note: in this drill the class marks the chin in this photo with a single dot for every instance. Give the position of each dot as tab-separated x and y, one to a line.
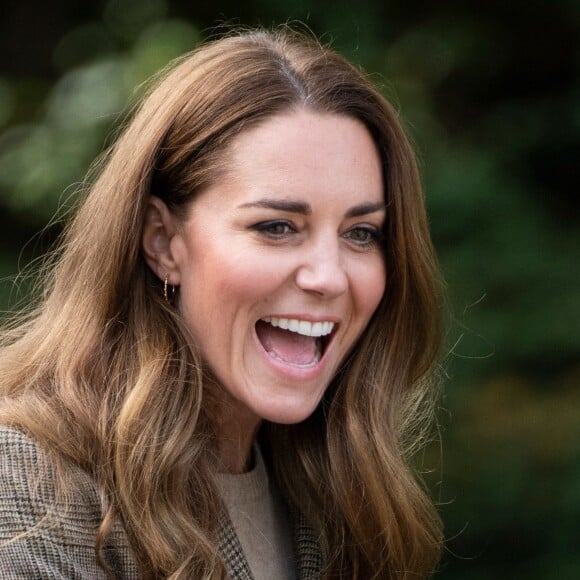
287	413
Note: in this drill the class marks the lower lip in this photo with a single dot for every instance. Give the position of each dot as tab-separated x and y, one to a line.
291	371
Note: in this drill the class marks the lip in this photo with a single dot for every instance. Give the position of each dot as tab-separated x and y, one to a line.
291	371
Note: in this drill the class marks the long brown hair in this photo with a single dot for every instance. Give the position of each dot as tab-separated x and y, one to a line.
104	374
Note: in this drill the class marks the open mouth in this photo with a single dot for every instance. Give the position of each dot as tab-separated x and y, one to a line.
296	342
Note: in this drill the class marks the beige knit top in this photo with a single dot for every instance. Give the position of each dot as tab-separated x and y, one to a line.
260	520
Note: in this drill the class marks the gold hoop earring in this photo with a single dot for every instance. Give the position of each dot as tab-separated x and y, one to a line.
166	288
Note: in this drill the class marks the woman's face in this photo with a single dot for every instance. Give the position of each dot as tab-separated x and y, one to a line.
279	262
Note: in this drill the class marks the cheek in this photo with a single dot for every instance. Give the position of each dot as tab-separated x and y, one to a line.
225	282
250	273
241	283
370	287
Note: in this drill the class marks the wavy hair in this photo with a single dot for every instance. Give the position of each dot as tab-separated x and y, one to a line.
103	373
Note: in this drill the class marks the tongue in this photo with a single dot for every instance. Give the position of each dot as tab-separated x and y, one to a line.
289	346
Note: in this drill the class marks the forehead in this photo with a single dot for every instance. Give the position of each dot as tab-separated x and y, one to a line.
304	154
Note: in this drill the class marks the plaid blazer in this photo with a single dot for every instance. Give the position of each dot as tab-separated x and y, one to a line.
42	538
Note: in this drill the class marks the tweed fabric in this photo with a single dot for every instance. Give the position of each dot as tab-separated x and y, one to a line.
305	544
45	536
260	519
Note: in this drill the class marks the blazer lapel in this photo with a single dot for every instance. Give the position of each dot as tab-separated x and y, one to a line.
232	552
306	549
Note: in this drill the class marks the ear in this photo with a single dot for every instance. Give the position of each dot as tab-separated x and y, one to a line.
159	228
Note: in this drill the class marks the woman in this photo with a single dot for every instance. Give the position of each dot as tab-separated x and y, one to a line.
246	300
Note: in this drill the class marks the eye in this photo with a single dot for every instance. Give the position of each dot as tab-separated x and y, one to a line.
274	229
364	236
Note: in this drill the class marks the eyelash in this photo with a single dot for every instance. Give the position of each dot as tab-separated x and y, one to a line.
267	229
375	236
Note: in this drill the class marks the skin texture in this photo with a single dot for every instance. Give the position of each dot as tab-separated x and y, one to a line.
237	259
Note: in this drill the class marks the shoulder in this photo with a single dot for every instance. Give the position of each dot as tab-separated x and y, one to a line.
27	480
28	488
16	449
33	507
45	530
22	459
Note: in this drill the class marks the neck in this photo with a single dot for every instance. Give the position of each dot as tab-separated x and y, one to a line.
236	431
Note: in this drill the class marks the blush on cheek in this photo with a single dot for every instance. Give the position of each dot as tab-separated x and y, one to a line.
249	281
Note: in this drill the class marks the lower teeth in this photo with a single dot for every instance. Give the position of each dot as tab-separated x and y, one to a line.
312	363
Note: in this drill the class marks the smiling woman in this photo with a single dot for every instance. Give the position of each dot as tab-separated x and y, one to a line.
241	259
227	371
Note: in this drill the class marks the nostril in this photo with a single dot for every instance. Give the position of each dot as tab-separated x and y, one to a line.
323	279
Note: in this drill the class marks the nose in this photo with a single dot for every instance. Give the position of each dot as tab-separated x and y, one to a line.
321	270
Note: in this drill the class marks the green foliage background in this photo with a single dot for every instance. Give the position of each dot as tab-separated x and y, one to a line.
490	95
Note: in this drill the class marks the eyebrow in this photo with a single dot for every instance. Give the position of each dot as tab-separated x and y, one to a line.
305	209
282	205
365	208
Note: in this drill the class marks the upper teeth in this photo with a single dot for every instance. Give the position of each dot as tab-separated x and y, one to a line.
302	326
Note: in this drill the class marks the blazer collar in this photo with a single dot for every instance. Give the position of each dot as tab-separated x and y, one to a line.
306	549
